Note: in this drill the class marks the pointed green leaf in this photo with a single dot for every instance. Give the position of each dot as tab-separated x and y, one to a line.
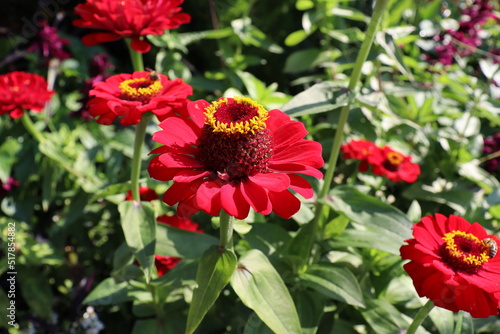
139	227
171	241
322	97
261	288
310	306
108	292
334	282
214	272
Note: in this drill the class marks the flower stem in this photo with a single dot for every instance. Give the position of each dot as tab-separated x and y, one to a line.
135	57
378	12
419	318
226	230
458	326
140	134
30	127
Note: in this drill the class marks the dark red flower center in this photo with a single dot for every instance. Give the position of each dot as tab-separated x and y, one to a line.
235	141
464	251
140	89
392	161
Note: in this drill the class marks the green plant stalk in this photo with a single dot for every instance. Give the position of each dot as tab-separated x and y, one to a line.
135	57
140	134
419	318
226	230
30	127
460	320
378	13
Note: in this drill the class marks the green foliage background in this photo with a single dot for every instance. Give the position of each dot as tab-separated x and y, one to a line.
295	55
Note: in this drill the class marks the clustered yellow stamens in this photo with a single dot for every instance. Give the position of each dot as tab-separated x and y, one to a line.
395	158
140	89
240	109
471	251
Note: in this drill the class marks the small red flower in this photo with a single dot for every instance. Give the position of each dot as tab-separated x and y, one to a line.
128	96
130	18
359	150
165	263
147	194
49	44
452	265
394	165
384	161
233	154
21	90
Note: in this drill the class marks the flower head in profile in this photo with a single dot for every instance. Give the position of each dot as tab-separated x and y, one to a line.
359	150
129	18
452	262
384	161
147	194
164	264
20	91
393	165
233	154
129	96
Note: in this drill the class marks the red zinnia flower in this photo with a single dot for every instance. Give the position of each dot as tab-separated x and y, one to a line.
453	265
394	165
130	95
130	18
147	194
359	150
21	90
233	154
165	263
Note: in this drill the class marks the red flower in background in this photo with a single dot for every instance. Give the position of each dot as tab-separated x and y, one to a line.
165	263
394	165
451	264
233	154
147	194
384	161
21	90
128	96
359	150
130	18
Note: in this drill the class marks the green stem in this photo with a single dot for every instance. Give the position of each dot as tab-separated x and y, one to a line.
355	76
226	230
460	320
140	134
378	12
135	57
419	318
30	127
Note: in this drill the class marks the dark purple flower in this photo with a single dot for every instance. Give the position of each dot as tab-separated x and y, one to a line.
492	145
49	44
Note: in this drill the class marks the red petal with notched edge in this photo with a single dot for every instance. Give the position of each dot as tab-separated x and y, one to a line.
256	196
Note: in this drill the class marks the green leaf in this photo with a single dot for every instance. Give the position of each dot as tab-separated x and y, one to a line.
171	241
110	291
261	288
296	37
322	97
139	227
384	318
214	272
8	151
350	13
369	211
36	291
333	282
476	174
310	306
